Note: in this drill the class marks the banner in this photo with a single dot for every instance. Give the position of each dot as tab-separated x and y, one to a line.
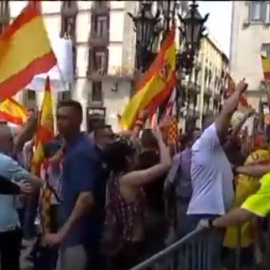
61	75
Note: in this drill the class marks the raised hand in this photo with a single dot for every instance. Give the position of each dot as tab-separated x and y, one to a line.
26	187
242	86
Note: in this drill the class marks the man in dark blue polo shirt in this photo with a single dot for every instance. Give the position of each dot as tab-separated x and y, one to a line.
78	181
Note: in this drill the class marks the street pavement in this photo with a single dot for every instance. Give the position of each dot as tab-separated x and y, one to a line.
26	264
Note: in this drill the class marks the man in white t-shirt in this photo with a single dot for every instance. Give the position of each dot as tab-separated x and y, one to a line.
211	173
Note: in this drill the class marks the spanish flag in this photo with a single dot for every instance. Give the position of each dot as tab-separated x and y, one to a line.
45	130
156	84
266	67
13	112
25	51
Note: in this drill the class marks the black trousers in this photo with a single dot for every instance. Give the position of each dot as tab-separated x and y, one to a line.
10	249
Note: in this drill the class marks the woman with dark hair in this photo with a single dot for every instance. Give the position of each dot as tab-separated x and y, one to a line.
125	200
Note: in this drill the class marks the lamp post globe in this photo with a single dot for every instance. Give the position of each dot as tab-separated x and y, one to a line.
146	28
193	27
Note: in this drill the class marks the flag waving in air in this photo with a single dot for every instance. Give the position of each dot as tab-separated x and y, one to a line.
25	51
266	67
45	133
45	130
13	112
155	86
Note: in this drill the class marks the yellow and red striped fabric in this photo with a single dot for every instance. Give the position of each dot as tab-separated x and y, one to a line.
45	130
171	116
13	112
155	86
266	67
25	51
172	131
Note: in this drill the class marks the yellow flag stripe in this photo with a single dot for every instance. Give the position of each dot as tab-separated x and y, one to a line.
143	97
30	50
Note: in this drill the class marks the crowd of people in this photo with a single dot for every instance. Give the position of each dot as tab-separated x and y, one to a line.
109	201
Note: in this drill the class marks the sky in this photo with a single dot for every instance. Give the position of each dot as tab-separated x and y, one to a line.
219	21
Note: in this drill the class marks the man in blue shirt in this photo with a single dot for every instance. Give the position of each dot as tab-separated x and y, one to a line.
78	181
10	232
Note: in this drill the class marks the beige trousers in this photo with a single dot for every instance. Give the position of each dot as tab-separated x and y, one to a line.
72	258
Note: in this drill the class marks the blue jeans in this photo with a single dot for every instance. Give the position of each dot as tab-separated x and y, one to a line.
208	244
30	216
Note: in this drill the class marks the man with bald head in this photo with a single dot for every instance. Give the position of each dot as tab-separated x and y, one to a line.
10	232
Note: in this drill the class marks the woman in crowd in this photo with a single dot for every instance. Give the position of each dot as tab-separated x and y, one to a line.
126	204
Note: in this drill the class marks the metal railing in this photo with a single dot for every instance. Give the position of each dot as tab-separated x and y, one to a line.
192	252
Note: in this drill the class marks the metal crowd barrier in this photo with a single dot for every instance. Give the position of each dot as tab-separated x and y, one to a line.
192	252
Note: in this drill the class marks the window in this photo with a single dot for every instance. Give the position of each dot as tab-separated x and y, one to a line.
64	96
96	92
257	11
266	50
99	59
100	4
31	95
4	14
68	19
101	26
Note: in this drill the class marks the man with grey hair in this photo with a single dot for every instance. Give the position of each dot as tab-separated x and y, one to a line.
10	232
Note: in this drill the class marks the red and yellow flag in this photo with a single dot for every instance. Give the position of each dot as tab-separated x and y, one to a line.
25	51
266	67
45	130
13	112
172	126
155	86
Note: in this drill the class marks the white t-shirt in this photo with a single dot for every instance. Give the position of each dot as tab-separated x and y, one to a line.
211	176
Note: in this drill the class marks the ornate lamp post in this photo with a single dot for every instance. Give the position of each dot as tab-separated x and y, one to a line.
191	33
169	9
146	26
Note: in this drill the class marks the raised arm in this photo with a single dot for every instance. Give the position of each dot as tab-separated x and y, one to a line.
27	133
222	122
254	170
138	178
13	171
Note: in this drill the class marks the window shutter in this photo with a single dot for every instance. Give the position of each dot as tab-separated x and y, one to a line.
107	60
90	64
264	5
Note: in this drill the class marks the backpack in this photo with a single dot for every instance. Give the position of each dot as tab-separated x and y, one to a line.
174	184
183	187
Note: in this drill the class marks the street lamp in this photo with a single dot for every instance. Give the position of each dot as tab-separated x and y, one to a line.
168	8
191	33
146	26
192	30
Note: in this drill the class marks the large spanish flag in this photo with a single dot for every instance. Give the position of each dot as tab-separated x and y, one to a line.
13	112
45	130
155	86
25	51
266	67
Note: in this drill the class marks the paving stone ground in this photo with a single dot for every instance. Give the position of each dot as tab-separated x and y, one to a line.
25	264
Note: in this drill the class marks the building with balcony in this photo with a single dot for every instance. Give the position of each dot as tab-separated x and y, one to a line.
214	66
203	90
103	52
250	37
